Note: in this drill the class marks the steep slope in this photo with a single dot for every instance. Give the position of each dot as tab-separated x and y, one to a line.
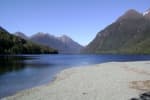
10	44
63	44
130	34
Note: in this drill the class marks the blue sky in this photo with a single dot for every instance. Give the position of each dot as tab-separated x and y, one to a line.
79	19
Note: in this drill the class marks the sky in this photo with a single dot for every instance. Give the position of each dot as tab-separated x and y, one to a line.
79	19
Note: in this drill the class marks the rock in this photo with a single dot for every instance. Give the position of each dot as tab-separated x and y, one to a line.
144	96
134	99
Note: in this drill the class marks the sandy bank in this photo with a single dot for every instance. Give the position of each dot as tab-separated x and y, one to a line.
108	81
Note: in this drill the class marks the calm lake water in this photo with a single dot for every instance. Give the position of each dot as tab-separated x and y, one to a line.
25	71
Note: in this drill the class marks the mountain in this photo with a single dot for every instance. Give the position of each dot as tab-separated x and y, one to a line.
11	44
48	40
22	35
2	30
147	13
71	45
63	44
130	14
129	34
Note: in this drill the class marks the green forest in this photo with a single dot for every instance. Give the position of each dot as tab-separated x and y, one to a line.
10	44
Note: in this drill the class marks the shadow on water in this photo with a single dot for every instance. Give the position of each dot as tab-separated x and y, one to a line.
11	63
17	63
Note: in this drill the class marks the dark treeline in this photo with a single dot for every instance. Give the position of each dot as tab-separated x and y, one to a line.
10	44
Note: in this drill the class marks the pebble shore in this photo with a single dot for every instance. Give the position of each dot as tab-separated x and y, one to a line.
107	81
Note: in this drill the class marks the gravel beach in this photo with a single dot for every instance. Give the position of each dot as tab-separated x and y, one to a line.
107	81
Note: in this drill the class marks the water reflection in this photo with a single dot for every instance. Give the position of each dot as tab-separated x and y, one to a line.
17	63
11	63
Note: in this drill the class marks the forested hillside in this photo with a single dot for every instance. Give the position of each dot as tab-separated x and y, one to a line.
10	44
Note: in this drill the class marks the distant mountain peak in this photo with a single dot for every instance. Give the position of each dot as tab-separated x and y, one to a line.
42	34
146	12
64	44
131	13
19	33
64	38
22	35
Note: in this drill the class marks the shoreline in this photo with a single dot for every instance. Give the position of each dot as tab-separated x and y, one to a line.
106	81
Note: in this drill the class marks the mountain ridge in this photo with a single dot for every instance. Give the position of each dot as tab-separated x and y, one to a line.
64	44
22	35
129	34
147	14
131	13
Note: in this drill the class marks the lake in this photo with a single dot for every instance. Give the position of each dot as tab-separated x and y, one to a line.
20	72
